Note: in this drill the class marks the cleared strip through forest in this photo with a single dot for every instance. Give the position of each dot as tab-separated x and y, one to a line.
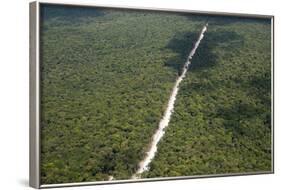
164	122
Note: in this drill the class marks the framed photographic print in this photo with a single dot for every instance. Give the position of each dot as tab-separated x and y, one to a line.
129	94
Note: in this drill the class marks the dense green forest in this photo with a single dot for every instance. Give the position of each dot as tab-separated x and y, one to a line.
222	117
106	78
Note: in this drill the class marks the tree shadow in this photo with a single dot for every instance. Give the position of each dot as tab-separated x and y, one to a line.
67	14
241	109
181	44
204	57
227	20
261	87
218	20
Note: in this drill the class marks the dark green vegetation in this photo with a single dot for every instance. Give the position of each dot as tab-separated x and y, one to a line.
222	118
106	78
